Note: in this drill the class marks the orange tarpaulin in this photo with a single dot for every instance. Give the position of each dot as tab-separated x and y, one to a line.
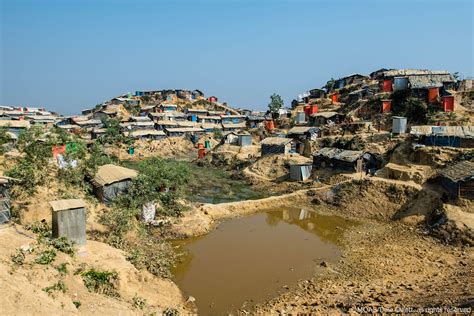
387	85
433	94
58	150
386	106
448	103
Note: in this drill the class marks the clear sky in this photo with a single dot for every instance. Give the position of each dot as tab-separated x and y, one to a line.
72	54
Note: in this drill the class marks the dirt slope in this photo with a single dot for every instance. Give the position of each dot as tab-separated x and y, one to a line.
22	286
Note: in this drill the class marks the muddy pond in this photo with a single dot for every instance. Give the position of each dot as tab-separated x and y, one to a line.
251	259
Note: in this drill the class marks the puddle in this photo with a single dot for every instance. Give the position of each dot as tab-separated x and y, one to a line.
211	185
249	260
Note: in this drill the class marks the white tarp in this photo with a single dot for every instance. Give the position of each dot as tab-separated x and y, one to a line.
149	212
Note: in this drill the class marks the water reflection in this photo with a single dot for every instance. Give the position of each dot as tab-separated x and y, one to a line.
250	259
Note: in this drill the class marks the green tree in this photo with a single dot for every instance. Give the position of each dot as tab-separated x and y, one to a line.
114	134
276	103
158	180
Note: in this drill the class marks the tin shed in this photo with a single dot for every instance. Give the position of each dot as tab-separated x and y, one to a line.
399	125
300	172
244	140
458	180
111	181
69	220
275	145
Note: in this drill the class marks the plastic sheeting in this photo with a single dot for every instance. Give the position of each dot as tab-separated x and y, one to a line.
148	212
111	191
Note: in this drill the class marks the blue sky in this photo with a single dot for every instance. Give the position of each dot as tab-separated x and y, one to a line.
69	54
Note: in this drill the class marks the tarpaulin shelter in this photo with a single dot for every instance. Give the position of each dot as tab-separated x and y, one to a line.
111	181
458	180
450	136
342	159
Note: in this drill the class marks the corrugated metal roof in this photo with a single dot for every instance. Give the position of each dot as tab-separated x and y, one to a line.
108	174
413	72
429	81
300	129
428	130
61	205
15	123
324	114
211	125
233	125
184	130
459	172
340	154
276	141
146	133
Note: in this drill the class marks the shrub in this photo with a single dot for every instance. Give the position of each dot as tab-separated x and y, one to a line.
102	282
64	245
138	302
77	303
59	286
46	257
62	268
153	255
18	258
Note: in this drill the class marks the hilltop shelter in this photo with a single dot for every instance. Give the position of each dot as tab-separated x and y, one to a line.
15	126
300	172
233	126
276	145
69	219
341	159
323	118
112	181
449	136
458	180
147	134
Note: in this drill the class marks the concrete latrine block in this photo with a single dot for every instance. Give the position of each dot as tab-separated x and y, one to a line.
69	220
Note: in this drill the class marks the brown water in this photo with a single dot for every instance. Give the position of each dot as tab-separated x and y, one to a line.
249	260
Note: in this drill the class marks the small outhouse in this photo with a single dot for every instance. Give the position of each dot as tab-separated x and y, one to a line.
69	220
399	125
300	172
244	140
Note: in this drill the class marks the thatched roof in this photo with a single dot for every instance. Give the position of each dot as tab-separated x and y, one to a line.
276	141
108	174
462	171
61	205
